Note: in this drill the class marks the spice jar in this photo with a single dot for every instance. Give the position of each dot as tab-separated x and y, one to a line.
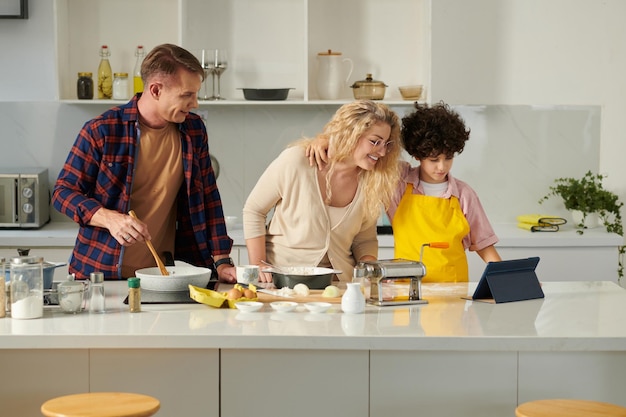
120	86
26	287
134	295
84	86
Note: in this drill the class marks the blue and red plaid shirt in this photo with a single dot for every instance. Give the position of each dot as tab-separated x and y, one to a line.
99	173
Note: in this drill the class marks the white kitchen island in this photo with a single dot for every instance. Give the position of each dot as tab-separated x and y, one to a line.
446	358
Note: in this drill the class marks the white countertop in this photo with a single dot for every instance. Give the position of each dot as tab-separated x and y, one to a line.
574	316
63	234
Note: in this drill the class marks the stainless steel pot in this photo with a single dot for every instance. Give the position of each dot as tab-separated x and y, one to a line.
181	275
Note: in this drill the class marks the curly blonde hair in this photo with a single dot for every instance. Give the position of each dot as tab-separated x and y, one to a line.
343	132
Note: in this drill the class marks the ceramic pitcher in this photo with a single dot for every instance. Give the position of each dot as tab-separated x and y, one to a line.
331	74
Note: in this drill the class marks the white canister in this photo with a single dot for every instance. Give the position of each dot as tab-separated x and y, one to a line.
26	287
330	81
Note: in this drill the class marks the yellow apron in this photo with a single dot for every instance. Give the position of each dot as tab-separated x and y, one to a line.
423	219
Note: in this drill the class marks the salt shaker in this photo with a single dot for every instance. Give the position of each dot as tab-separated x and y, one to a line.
96	298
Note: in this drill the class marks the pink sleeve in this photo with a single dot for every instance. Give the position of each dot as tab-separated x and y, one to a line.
481	233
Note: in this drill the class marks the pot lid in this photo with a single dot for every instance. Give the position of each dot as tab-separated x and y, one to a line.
368	82
329	53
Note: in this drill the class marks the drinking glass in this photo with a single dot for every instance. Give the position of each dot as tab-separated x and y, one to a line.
203	56
217	64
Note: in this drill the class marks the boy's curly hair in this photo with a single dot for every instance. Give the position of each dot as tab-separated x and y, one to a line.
431	131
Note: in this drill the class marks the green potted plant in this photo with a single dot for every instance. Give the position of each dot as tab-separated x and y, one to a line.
588	196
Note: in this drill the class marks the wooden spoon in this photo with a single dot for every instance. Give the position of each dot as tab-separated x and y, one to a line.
158	260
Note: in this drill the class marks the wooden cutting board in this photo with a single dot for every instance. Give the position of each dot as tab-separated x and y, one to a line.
314	296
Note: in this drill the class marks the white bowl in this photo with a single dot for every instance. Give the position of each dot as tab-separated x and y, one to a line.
317	307
284	306
248	306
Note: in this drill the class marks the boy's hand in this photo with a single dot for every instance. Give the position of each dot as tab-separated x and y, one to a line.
317	153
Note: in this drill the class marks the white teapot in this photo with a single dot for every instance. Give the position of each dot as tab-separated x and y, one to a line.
330	80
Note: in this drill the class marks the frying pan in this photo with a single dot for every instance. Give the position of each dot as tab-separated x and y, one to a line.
181	275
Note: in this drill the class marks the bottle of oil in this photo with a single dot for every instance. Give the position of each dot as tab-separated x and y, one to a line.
105	75
137	81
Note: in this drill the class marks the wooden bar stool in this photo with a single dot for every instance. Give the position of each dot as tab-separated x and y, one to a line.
569	408
101	404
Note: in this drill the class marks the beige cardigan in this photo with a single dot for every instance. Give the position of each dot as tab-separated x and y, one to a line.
299	232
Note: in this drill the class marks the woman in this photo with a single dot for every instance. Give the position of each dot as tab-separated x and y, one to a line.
327	217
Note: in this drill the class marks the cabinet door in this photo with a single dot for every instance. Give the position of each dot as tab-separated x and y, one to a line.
31	377
304	383
185	381
442	383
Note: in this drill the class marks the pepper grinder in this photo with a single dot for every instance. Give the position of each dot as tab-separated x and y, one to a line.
96	291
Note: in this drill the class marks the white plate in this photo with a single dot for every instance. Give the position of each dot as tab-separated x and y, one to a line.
249	306
317	307
284	306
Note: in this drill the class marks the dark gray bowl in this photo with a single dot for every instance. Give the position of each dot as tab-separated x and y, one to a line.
265	93
315	278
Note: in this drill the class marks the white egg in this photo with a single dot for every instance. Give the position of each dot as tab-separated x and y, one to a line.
301	289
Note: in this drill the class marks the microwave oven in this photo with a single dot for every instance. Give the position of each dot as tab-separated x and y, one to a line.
24	198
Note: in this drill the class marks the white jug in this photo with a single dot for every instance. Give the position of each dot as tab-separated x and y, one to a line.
330	81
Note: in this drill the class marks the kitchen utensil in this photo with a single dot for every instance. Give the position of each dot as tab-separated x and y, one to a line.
411	92
386	271
247	273
203	56
248	306
71	296
277	268
314	277
48	273
317	307
284	306
368	89
265	93
330	69
156	256
181	275
26	287
217	64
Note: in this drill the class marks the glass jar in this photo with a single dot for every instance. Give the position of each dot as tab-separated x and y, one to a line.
84	86
26	287
120	86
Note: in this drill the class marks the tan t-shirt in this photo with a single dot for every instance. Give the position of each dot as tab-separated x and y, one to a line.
158	177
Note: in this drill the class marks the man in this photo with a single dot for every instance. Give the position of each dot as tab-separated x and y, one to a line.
150	155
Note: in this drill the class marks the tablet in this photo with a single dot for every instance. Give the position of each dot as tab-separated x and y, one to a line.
507	281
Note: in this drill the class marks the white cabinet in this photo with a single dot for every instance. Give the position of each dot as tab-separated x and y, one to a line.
270	43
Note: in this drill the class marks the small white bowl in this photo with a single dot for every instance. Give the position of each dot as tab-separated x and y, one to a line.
284	306
249	306
317	307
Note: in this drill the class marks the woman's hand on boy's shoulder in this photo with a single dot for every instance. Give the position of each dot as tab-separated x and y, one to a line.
317	152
